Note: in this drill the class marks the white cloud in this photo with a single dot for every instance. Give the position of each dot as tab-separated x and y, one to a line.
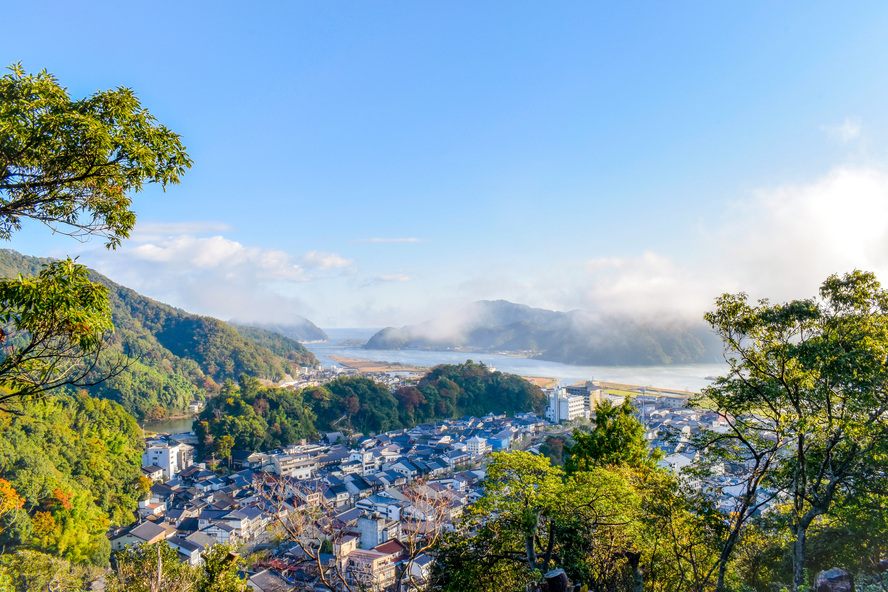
780	244
324	260
187	254
218	276
650	283
796	235
389	240
850	129
392	277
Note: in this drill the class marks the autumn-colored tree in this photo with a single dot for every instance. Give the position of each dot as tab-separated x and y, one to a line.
10	503
43	524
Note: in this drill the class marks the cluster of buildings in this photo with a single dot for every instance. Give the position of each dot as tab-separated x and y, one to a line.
578	401
320	375
673	430
669	425
372	499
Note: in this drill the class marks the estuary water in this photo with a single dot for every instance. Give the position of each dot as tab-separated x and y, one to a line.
690	377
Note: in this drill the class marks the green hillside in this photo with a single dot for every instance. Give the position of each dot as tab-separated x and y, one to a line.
173	357
74	461
259	418
277	342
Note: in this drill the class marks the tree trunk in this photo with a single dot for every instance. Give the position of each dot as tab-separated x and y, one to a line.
720	584
798	558
159	583
530	542
530	547
725	555
637	576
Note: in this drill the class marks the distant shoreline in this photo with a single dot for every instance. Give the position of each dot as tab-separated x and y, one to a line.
376	366
648	388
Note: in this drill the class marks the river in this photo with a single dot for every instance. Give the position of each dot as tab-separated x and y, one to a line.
690	377
180	425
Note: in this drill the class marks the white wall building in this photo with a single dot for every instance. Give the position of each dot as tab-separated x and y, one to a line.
290	465
477	446
564	407
172	458
590	392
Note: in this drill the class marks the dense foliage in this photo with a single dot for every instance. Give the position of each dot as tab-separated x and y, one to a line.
74	461
24	570
152	568
74	164
172	357
55	325
445	392
248	416
277	343
616	438
261	418
610	528
453	390
360	403
807	401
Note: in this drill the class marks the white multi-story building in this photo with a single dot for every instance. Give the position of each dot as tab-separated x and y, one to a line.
477	446
590	392
367	460
297	466
565	407
170	457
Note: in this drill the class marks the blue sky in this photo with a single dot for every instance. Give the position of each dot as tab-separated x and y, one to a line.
366	164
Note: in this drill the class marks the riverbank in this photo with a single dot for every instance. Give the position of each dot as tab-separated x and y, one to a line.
685	377
383	366
377	366
636	389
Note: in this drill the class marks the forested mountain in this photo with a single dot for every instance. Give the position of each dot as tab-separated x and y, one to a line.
297	329
74	463
277	342
173	357
574	337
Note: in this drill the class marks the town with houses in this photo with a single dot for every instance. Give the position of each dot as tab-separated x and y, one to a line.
358	512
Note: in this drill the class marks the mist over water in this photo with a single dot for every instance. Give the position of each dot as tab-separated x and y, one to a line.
686	376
